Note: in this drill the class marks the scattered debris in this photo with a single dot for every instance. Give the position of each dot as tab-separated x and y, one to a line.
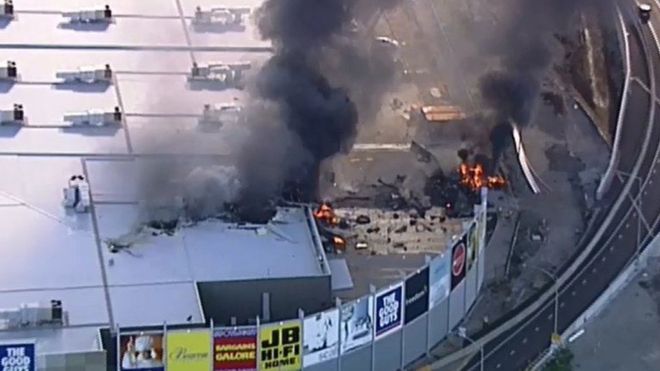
439	92
442	114
167	227
556	101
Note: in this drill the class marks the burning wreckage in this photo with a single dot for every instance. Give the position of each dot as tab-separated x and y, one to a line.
395	219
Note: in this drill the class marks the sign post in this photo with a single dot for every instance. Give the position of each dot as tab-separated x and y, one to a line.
427	261
211	344
372	290
338	305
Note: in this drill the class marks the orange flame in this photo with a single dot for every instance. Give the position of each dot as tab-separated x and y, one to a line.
326	214
339	243
474	177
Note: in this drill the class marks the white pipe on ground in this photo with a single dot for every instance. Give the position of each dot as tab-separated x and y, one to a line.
522	159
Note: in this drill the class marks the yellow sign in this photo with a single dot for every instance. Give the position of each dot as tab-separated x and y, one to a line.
280	347
188	350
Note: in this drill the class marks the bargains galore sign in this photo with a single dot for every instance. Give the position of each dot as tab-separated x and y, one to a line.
235	348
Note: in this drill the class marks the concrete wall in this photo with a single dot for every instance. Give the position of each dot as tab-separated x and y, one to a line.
243	299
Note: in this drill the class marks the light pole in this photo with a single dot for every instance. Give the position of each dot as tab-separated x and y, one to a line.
554	280
462	333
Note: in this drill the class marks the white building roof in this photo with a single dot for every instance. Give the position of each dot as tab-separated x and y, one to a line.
50	253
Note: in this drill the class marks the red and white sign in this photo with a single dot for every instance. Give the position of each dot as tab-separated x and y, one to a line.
458	259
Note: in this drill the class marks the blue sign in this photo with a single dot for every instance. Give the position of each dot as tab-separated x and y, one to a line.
17	357
389	310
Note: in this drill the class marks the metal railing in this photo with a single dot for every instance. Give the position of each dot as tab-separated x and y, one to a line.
606	181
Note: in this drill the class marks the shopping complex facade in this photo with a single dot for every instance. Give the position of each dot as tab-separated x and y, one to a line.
385	330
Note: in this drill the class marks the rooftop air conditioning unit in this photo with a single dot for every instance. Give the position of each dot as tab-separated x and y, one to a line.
7	9
94	117
220	16
87	74
16	115
90	16
9	71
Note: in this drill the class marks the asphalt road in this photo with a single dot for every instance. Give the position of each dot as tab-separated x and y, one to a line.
514	349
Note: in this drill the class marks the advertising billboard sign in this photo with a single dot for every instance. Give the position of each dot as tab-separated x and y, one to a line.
458	253
17	355
439	279
189	350
321	337
141	351
280	346
472	243
389	310
417	295
356	328
235	349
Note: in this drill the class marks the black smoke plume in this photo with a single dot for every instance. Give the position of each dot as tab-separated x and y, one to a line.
306	100
524	48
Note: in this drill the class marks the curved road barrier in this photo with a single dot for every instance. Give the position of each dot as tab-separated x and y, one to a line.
606	181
